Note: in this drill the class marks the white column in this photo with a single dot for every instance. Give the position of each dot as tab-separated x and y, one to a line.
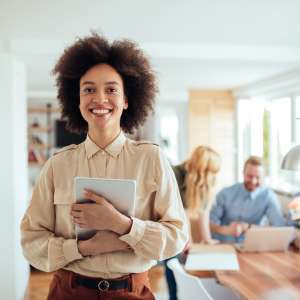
13	176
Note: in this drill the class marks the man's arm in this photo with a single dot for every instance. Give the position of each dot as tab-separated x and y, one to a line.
216	214
273	211
234	229
224	230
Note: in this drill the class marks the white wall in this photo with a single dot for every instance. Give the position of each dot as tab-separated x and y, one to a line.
13	176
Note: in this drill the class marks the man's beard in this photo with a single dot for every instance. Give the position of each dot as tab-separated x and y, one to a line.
250	187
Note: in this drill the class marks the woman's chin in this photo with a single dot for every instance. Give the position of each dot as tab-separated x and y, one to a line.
101	122
105	125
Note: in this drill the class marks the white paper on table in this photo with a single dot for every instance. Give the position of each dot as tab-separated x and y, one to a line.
211	259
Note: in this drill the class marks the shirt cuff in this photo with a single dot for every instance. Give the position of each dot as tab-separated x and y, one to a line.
70	250
135	234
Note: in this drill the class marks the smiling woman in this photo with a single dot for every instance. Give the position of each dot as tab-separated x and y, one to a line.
104	90
130	69
102	102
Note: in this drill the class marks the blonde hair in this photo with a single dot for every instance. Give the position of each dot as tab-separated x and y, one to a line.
201	168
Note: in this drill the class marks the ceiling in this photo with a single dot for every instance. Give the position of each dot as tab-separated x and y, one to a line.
192	44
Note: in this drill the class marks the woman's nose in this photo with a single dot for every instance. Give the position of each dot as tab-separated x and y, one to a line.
100	97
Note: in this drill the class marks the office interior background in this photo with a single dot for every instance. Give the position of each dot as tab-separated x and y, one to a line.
228	73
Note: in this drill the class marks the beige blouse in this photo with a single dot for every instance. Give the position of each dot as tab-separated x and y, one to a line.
159	228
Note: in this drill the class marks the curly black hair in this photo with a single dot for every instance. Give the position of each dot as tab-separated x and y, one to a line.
126	58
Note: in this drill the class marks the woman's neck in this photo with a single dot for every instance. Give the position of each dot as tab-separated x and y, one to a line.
104	137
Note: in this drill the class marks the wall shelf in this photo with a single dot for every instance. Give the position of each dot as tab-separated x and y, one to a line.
39	129
40	146
40	132
43	110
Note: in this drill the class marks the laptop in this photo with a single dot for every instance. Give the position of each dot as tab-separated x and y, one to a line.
271	239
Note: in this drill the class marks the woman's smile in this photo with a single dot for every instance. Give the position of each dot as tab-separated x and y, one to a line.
101	112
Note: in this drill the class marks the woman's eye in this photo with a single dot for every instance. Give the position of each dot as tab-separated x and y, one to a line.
88	90
112	90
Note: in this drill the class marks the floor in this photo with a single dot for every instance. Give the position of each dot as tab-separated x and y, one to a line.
39	282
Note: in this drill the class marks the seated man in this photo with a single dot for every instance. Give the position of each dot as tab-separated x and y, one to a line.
243	204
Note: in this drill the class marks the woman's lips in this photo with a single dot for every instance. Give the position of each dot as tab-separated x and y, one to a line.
100	111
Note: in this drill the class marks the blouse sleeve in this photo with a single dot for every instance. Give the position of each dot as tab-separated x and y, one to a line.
41	247
167	236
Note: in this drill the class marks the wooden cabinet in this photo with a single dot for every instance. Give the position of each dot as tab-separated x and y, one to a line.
211	122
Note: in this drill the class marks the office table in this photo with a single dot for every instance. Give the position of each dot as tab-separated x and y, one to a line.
266	275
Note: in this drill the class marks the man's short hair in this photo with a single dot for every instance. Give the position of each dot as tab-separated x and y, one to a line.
253	160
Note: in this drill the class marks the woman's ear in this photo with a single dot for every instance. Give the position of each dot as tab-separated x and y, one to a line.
125	103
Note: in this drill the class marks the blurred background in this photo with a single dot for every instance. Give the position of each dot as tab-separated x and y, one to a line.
228	73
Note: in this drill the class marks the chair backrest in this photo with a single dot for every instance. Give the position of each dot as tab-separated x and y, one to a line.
188	287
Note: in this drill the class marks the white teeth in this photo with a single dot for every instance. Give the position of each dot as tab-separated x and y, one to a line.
100	111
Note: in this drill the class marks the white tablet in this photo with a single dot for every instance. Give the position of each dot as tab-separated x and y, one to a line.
119	192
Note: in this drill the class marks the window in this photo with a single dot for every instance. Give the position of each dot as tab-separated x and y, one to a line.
274	127
250	115
297	120
280	133
265	129
172	131
169	134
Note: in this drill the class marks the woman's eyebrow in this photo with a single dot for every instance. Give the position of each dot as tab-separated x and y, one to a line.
87	82
107	82
112	82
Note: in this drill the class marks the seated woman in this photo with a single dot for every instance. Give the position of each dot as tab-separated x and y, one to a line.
196	179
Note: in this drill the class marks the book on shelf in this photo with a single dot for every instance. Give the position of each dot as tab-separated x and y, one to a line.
35	140
36	152
32	157
36	156
41	158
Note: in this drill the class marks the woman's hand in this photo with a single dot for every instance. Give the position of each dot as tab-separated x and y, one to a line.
102	242
100	216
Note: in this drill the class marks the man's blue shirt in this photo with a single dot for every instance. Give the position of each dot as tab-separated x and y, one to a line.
236	204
